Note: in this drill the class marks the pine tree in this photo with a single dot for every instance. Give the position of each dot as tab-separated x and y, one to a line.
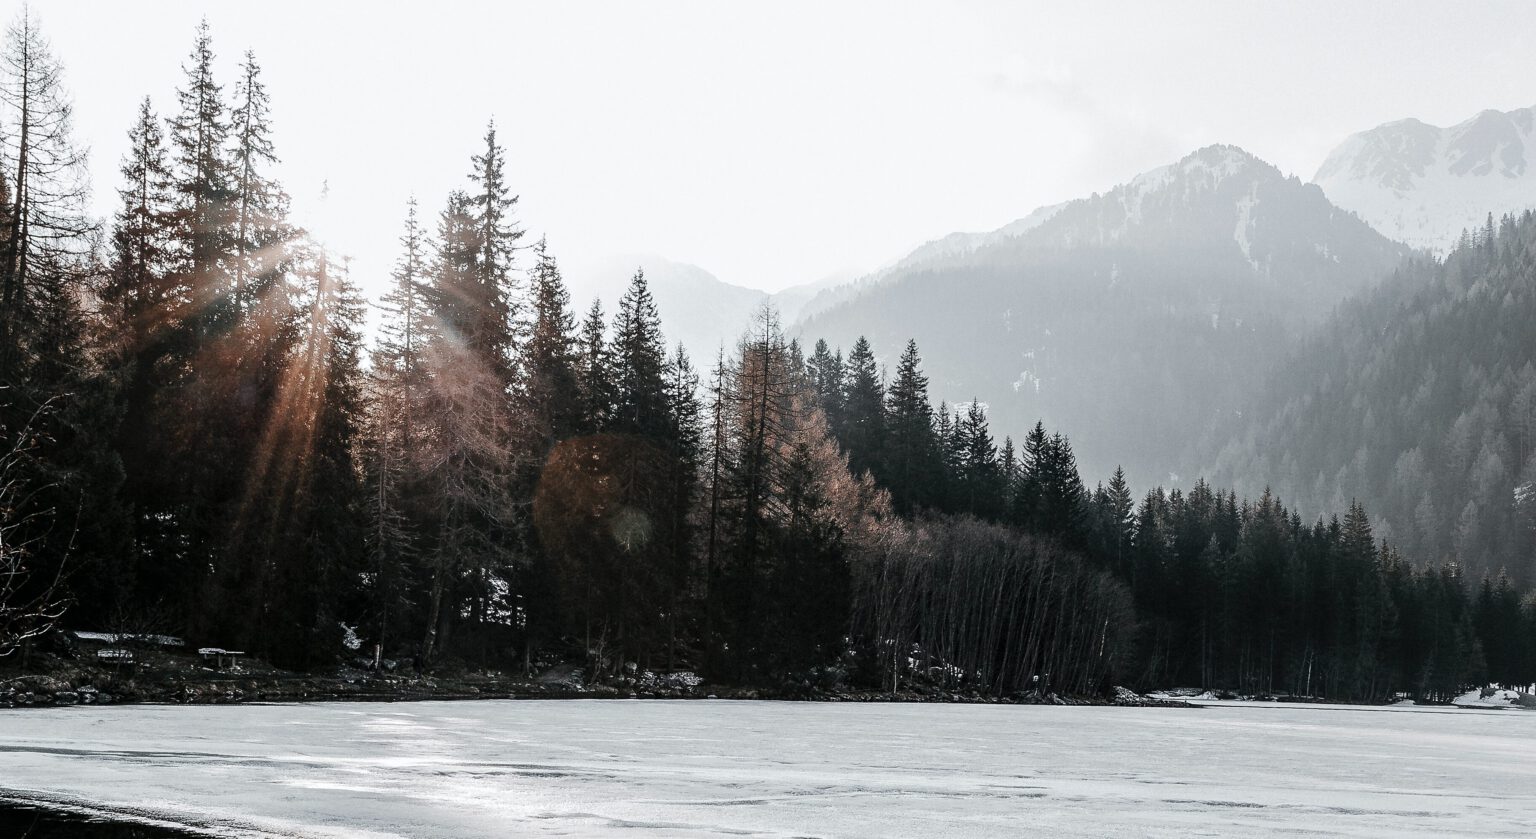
458	300
912	469
141	353
718	469
315	575
639	365
137	293
407	326
258	205
1033	466
202	180
758	420
863	427
549	358
594	372
688	454
684	409
979	484
809	586
949	456
489	209
1008	463
396	435
1118	513
825	370
475	448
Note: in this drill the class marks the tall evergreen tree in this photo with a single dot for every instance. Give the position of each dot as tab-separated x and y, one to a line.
549	360
912	470
396	436
489	209
639	365
137	293
1116	515
202	180
259	206
825	370
1033	465
594	371
979	485
314	574
863	424
474	456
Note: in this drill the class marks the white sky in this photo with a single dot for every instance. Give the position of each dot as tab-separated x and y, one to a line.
778	144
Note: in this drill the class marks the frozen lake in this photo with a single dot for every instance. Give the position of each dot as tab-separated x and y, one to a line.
478	770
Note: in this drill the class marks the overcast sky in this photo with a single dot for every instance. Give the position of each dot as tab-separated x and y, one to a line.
777	144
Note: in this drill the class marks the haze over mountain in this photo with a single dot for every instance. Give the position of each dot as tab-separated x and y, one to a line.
1132	319
1415	183
1418	399
935	252
698	309
1423	185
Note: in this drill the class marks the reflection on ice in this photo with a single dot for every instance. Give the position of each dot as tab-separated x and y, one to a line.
493	769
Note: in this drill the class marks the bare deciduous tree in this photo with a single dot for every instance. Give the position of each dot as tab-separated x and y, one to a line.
46	221
30	604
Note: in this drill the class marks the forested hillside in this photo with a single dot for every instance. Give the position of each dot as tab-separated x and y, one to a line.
198	441
1418	398
1135	318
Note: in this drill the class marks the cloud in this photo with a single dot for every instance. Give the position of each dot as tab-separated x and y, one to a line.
1110	142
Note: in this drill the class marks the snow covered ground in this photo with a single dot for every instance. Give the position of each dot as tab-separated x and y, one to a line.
475	770
1491	698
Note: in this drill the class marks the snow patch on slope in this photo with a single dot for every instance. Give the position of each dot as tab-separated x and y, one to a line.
1423	185
1244	222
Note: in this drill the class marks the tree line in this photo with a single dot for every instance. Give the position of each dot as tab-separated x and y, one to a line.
202	442
1224	592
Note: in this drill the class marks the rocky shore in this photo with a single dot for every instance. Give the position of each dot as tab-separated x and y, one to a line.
72	673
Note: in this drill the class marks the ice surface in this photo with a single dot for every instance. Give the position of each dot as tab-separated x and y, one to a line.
475	770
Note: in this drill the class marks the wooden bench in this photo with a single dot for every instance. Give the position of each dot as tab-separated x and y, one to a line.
218	656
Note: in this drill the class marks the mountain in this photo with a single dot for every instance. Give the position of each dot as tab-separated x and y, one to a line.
1419	399
697	308
1423	184
1130	320
938	251
795	301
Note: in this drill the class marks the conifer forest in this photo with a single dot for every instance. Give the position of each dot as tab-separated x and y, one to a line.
208	431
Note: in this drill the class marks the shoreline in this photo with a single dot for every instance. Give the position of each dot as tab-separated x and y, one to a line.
40	818
70	675
262	694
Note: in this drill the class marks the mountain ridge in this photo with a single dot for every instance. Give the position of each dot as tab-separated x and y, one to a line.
1146	300
1424	184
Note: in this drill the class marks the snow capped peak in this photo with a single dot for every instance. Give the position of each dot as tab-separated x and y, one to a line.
1218	200
1217	181
1423	184
1392	154
1222	162
1489	143
1200	171
1203	170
